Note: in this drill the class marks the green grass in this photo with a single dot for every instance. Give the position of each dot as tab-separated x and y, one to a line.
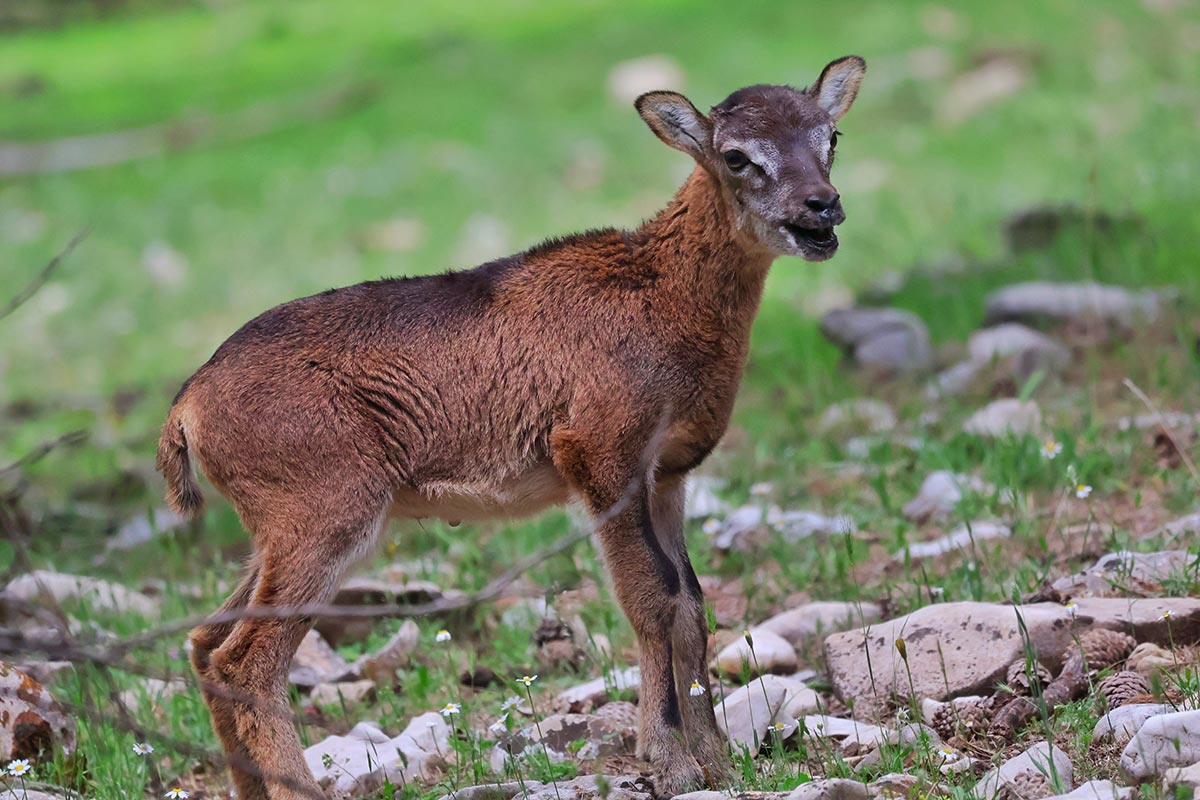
475	114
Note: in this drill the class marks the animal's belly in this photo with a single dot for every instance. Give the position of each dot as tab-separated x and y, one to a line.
530	492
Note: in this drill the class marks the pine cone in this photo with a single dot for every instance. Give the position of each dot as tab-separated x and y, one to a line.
1101	649
962	717
1026	786
1121	687
1017	677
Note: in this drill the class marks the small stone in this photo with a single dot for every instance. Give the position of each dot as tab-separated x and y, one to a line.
770	653
1038	301
745	715
940	494
42	587
961	538
1120	724
830	789
1042	759
380	666
884	338
1030	350
1125	573
355	764
802	623
142	528
1005	417
854	737
860	414
1181	778
1164	741
346	692
316	662
1096	790
597	692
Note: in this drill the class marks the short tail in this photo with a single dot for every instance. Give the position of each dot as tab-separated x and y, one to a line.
183	492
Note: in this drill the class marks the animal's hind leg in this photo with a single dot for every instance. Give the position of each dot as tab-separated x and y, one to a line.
205	639
301	565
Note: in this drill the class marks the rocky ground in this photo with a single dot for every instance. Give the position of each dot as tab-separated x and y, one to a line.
1009	630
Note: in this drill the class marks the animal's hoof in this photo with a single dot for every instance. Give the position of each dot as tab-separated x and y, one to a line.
679	778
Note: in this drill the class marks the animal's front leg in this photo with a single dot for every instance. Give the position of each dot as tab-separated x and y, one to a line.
647	585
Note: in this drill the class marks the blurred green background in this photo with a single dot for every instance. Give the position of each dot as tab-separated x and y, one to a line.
274	149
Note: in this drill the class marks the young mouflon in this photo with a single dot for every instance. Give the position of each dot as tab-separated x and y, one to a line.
600	367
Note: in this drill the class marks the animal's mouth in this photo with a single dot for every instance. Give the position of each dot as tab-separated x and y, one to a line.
814	239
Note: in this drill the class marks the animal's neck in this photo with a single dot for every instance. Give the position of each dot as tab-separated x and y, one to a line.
703	263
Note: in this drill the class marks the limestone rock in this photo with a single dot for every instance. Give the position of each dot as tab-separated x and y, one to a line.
596	692
961	538
1096	790
1030	350
1039	301
830	789
853	736
361	761
609	732
798	625
746	714
1181	778
316	662
941	492
771	653
1163	742
1125	573
884	338
1005	417
859	414
1042	759
588	787
975	642
1120	724
1162	620
348	692
381	665
42	587
32	723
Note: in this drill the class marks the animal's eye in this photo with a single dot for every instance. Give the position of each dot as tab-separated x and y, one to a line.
833	138
735	159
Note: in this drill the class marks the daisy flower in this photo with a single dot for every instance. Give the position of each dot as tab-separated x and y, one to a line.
948	753
1072	608
177	794
696	690
902	714
1050	449
451	709
711	526
527	680
760	489
509	704
1164	615
442	636
143	748
19	768
499	726
1082	490
778	727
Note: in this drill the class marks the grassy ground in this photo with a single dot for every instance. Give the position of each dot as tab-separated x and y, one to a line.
472	117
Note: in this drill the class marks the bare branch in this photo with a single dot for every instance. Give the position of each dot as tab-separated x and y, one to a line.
40	279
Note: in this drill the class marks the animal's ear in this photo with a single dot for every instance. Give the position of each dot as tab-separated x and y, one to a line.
838	84
677	122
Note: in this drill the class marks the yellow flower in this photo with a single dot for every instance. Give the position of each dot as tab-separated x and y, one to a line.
527	679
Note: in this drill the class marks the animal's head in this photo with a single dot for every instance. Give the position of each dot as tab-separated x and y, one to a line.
770	149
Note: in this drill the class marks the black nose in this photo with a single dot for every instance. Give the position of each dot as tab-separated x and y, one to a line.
823	202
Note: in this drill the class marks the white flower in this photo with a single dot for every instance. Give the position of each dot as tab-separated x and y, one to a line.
19	768
177	794
968	724
499	726
902	714
442	636
509	704
711	526
1072	608
696	689
760	489
1050	449
1082	490
1164	615
778	727
527	679
947	753
937	592
450	709
143	748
